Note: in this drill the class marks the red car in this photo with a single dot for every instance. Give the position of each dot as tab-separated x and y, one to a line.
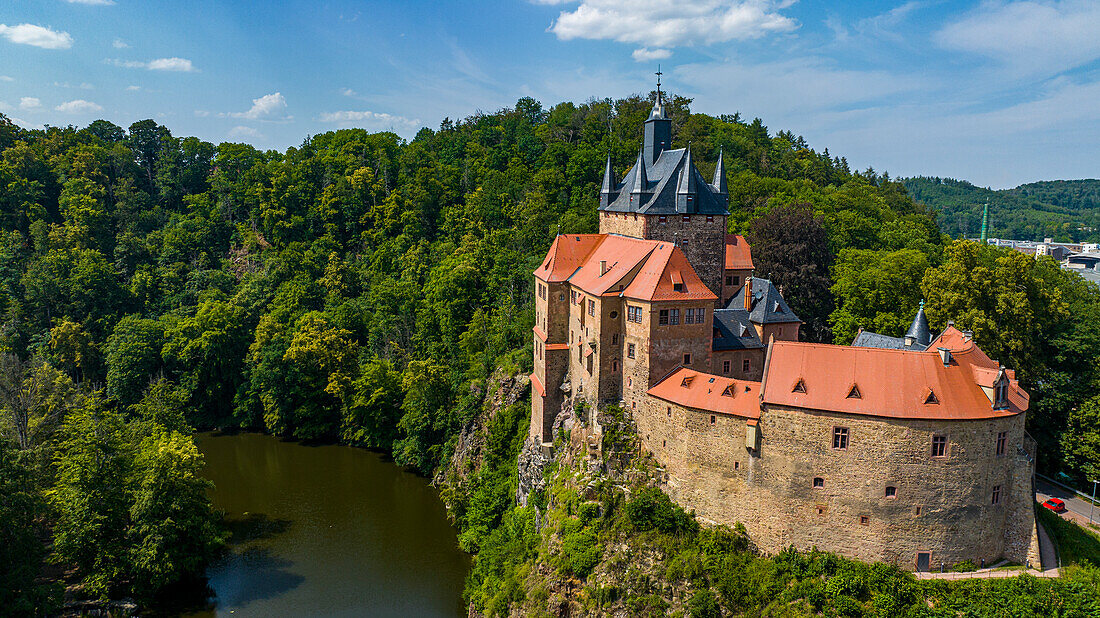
1055	505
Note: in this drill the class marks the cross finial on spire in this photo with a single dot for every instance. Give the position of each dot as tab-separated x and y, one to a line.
659	74
922	304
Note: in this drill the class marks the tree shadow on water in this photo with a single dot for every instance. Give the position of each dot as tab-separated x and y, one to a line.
254	574
253	527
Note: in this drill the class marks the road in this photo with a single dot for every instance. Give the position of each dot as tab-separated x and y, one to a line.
1077	509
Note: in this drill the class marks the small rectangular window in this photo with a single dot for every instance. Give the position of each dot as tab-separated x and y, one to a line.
614	338
684	242
662	317
996	494
713	419
686	218
687	359
573	296
939	446
864	520
662	219
725	367
840	438
710	218
689	315
630	350
673	316
745	365
891	492
1002	441
591	307
589	364
737	281
819	483
669	409
729	279
561	296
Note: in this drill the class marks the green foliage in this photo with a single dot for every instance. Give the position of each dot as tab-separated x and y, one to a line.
132	511
1065	210
21	552
651	509
875	291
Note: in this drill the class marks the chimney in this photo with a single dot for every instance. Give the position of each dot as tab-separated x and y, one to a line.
945	354
603	267
748	293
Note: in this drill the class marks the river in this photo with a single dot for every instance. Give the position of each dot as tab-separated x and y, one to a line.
327	531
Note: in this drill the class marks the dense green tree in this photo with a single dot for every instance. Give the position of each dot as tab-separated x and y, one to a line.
790	247
877	291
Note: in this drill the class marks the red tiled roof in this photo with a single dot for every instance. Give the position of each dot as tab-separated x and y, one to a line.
658	277
621	255
890	383
566	254
704	391
738	253
537	384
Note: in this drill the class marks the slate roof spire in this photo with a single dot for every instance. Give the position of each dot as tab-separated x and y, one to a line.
658	127
608	191
686	188
641	183
720	175
919	332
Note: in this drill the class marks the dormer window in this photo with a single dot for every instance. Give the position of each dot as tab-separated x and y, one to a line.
677	287
799	387
1000	390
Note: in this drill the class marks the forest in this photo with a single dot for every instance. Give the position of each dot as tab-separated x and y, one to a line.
362	288
1064	210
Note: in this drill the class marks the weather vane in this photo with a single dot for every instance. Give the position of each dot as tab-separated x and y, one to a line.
659	74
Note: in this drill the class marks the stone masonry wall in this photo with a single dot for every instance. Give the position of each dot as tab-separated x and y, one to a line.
705	245
942	506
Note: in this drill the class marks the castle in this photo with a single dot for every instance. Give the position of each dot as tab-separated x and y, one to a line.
910	451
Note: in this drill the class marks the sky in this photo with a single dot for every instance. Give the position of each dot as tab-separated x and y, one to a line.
995	92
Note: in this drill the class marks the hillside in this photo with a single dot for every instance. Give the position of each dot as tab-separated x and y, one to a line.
362	288
1065	210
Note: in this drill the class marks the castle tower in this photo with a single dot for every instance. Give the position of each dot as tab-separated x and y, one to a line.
664	197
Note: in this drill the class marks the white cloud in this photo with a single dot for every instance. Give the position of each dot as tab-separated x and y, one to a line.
78	106
30	34
29	103
6	78
171	64
181	65
133	88
268	107
646	54
92	2
1034	37
120	44
348	92
672	23
241	131
370	120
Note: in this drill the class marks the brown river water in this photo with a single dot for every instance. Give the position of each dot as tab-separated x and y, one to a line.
327	531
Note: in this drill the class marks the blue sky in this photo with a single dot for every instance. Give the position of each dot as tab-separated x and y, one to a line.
996	92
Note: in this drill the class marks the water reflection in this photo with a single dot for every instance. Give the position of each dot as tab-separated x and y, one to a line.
327	530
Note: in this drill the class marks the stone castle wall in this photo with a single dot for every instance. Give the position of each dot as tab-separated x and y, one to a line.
942	505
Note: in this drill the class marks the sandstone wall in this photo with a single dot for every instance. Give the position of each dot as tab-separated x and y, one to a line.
705	247
942	505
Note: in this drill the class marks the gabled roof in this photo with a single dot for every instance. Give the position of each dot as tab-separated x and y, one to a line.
621	255
667	265
892	383
709	392
738	253
660	180
566	254
768	306
734	331
642	269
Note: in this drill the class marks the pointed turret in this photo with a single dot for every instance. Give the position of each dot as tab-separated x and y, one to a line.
640	186
720	176
608	192
918	335
658	130
686	188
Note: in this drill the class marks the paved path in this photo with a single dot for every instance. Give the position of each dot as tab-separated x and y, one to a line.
1047	554
1077	509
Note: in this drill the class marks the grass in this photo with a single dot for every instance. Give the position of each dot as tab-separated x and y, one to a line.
1076	545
